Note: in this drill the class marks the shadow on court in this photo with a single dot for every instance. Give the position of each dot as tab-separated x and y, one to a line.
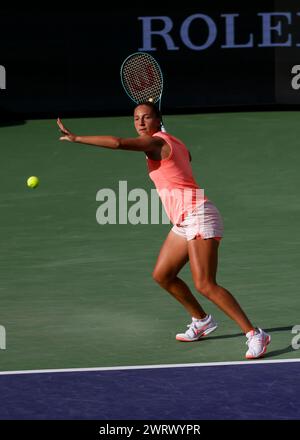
279	329
288	349
8	119
238	335
269	354
11	123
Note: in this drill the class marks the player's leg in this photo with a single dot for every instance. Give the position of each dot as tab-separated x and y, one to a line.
203	256
172	257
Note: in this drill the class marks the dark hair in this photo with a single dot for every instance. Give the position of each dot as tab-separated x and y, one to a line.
155	109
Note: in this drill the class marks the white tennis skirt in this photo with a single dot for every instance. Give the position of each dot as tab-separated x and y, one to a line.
204	222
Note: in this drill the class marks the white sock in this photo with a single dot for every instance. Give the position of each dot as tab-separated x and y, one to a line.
203	321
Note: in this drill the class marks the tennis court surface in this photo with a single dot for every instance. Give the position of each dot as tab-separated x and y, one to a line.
79	295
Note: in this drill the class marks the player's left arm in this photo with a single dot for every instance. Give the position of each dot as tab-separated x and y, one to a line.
145	143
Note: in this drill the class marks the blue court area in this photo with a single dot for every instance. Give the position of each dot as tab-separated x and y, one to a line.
254	390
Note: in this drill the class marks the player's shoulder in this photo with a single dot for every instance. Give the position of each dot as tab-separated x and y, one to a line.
159	138
163	135
169	138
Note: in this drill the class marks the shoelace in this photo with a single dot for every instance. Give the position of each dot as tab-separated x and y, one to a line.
255	339
192	327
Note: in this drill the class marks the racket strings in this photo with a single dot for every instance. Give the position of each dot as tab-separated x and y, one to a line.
142	78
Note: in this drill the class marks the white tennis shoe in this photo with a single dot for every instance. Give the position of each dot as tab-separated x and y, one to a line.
257	343
197	329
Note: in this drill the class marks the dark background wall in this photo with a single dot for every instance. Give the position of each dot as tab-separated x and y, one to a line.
67	62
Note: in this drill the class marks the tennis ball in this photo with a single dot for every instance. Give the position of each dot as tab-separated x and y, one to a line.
32	182
151	100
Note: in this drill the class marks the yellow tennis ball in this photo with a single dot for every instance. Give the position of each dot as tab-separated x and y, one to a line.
32	182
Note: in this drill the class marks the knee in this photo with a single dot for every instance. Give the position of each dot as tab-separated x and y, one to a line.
206	288
161	278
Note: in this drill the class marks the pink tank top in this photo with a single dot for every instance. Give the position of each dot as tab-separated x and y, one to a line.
174	181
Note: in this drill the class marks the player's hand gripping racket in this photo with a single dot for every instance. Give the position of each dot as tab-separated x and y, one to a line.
142	79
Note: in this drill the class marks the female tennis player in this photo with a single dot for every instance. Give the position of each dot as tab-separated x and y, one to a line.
197	226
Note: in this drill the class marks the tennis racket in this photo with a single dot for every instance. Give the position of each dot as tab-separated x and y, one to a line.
142	79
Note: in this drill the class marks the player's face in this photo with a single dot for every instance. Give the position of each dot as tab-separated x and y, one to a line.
145	120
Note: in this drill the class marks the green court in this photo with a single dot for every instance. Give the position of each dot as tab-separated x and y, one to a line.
77	294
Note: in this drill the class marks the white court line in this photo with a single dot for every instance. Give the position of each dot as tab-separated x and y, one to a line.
149	367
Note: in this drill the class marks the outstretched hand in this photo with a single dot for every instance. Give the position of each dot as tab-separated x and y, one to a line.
67	135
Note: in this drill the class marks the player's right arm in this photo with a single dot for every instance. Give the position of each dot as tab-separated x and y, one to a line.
142	143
